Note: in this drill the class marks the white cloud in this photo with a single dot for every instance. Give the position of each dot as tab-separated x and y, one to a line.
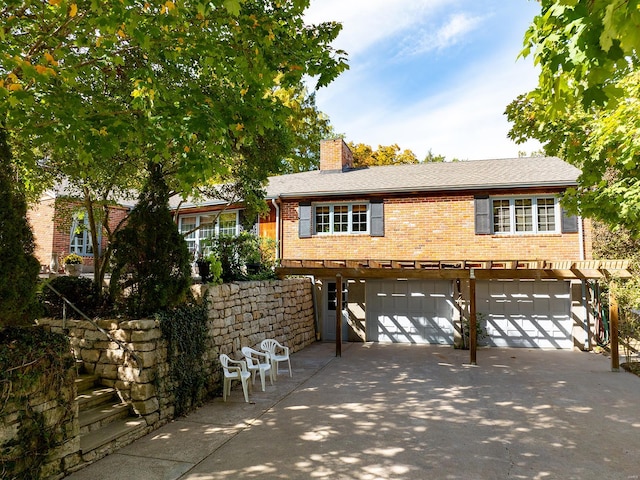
464	120
454	30
456	111
367	22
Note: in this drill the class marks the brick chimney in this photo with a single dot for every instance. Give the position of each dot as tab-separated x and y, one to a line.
335	155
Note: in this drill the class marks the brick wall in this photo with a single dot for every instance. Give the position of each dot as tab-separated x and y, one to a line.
334	155
428	227
40	217
52	235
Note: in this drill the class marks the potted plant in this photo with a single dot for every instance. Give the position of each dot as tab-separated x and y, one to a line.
73	264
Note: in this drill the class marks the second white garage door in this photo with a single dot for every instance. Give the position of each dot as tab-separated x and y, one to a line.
409	311
523	313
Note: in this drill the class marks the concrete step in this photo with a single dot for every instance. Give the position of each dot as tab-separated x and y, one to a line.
97	417
93	397
110	437
84	381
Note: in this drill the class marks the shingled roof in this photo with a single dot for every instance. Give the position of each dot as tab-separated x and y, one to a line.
442	176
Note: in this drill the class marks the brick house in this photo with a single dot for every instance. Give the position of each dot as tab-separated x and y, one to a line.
54	221
405	240
406	244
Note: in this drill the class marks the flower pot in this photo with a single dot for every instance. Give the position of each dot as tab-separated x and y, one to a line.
204	269
73	269
253	268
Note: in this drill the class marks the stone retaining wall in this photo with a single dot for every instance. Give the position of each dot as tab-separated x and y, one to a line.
240	314
37	410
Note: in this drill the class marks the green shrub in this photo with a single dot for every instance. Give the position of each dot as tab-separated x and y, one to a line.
78	290
242	257
19	268
151	267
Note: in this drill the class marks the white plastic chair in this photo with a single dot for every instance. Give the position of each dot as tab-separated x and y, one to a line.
234	370
277	353
258	362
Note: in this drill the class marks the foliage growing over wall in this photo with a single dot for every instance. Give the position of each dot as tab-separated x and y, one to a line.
78	290
18	266
151	268
35	366
185	329
243	257
608	243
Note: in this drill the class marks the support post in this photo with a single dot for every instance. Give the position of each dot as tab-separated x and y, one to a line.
338	315
613	332
585	307
472	318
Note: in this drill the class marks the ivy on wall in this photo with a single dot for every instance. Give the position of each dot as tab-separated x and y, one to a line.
35	366
185	329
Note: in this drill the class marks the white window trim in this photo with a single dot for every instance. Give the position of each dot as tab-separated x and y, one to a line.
197	233
350	218
86	237
512	215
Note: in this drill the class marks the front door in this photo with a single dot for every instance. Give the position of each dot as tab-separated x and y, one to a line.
329	317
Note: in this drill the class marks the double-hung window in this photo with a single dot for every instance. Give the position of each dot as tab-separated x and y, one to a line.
198	228
525	215
81	236
341	218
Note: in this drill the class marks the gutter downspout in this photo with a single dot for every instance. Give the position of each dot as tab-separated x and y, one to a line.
581	237
278	243
583	284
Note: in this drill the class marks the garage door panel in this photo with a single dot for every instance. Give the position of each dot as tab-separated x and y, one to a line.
527	313
410	311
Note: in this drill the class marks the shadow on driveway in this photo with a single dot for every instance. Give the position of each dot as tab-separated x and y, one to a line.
389	411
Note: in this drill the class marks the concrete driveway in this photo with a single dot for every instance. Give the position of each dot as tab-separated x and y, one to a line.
406	412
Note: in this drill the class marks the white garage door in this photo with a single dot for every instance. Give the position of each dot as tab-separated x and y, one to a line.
522	313
409	311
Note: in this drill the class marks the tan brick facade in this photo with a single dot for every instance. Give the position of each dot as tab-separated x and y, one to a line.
335	155
429	227
53	236
41	219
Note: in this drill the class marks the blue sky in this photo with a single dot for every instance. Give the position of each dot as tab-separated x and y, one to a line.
429	74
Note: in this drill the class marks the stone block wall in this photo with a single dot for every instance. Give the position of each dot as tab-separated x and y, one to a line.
244	314
37	410
240	314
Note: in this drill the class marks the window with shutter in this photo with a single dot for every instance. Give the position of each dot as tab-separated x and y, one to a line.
569	222
377	218
304	220
483	215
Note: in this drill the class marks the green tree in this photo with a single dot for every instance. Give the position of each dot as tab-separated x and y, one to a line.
431	158
364	155
151	260
309	127
585	108
93	91
18	267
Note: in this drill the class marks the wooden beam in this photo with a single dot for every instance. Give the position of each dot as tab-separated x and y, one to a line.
613	332
338	315
457	269
473	344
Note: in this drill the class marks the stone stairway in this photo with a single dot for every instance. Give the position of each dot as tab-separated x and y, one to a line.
106	423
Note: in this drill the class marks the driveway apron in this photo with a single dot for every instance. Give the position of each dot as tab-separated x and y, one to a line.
390	411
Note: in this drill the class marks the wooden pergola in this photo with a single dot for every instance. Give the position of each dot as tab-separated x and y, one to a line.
471	270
